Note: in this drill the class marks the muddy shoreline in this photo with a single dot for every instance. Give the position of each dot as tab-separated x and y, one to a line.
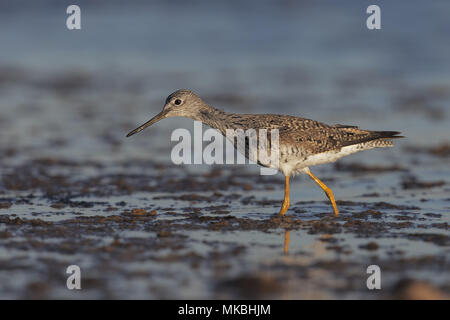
220	232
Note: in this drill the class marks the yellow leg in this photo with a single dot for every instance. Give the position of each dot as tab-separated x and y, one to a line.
286	203
327	190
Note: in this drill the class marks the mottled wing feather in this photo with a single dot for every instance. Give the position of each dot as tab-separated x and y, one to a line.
310	135
330	138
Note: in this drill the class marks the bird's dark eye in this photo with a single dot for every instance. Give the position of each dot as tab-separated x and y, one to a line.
177	102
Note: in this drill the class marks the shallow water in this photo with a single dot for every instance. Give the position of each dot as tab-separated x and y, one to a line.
70	180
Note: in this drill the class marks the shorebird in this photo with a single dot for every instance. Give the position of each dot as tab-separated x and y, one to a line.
302	142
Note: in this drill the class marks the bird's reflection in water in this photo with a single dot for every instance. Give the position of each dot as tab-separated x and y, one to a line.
287	239
317	247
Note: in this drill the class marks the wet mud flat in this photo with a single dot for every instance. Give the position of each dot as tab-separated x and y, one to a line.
145	229
74	191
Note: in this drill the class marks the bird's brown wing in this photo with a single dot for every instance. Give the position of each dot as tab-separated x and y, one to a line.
309	135
324	138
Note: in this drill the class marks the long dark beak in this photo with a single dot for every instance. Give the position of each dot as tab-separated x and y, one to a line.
153	120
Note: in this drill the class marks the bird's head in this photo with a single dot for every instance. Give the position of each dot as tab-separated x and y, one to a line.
181	103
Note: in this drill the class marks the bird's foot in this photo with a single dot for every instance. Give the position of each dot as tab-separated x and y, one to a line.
333	203
284	208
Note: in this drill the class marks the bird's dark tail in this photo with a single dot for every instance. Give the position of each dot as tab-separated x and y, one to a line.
362	136
386	135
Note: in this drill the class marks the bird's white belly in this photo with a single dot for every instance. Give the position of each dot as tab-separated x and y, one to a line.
296	165
331	156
